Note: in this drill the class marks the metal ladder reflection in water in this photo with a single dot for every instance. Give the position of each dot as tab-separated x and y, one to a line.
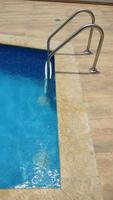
87	51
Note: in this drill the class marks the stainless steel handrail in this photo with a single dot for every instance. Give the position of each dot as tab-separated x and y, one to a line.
100	30
87	51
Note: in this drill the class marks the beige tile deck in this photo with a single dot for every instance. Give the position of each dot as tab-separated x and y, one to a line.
83	101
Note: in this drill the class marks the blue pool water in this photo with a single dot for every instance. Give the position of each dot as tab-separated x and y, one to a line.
29	155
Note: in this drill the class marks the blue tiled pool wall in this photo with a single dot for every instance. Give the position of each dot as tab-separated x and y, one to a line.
29	58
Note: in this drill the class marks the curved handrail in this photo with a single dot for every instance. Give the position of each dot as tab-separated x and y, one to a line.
87	51
100	30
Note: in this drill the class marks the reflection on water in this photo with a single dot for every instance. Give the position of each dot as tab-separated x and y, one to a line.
41	159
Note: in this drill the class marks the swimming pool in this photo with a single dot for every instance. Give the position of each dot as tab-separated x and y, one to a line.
29	153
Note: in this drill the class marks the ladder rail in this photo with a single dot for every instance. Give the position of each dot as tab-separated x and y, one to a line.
93	26
87	51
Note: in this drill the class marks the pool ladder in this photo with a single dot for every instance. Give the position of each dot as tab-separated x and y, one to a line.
91	26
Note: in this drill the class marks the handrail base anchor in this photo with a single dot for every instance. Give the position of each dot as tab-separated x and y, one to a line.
93	70
88	52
